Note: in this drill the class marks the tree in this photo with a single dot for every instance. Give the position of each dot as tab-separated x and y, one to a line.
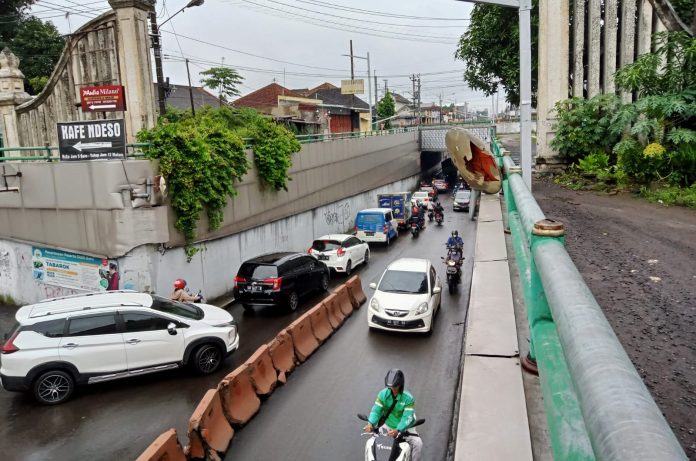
38	46
490	48
224	80
11	12
386	107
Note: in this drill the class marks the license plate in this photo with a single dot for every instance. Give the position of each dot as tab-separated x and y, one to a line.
369	233
396	323
323	258
256	289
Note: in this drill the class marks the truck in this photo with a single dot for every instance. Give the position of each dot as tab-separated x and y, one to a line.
399	203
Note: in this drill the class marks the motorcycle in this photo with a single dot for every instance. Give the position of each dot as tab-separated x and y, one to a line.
438	218
430	215
415	228
453	261
381	447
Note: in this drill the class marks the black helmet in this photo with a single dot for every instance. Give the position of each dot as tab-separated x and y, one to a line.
455	233
395	378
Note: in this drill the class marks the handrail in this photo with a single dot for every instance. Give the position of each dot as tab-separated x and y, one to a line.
594	373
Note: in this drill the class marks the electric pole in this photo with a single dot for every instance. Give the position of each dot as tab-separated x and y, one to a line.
193	109
376	87
418	92
352	73
440	118
386	87
413	84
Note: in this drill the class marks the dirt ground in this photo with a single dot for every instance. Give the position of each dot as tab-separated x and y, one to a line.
639	260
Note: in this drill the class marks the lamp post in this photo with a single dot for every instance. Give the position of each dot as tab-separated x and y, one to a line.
157	46
369	82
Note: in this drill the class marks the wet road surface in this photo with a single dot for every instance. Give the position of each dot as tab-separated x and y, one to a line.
311	417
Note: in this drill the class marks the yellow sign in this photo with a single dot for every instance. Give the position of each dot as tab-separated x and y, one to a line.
353	86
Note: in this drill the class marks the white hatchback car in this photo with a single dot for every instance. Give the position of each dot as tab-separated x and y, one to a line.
420	196
62	342
340	252
406	298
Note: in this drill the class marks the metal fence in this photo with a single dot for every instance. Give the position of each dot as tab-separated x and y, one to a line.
596	403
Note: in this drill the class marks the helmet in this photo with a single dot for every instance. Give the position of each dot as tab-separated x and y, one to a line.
395	378
455	233
179	284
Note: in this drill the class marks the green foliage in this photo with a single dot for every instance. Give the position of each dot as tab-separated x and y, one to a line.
11	13
490	49
273	149
583	126
38	83
671	195
201	158
594	163
386	107
223	80
682	165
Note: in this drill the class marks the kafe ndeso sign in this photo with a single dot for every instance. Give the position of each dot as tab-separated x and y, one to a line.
92	140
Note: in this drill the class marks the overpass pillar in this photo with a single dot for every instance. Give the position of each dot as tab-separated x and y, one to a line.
552	75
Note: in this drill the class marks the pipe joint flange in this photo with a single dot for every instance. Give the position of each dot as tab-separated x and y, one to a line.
548	228
514	170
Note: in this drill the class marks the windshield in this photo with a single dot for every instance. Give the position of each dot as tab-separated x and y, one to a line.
404	282
462	196
168	306
325	245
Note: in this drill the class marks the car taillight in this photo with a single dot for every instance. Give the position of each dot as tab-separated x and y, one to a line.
341	251
238	280
9	346
275	282
309	250
386	228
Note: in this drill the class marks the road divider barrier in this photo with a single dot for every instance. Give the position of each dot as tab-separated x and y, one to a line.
236	400
166	447
209	427
262	372
240	402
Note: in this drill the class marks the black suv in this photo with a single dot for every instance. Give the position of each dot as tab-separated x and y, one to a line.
279	279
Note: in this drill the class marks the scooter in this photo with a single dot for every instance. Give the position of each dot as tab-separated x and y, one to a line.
430	215
439	218
415	229
381	447
453	261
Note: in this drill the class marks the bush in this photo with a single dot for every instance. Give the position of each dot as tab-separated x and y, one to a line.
672	195
682	164
273	148
594	163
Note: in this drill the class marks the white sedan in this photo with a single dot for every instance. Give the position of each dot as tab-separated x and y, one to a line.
406	298
420	197
340	252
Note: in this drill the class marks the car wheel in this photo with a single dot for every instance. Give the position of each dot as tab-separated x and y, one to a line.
325	281
349	268
367	257
53	387
206	359
294	300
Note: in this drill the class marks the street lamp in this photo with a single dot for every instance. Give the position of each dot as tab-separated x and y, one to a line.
157	46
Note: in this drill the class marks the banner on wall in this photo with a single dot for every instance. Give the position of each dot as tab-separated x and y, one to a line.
74	270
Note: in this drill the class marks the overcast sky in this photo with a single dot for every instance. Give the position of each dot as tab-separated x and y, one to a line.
299	43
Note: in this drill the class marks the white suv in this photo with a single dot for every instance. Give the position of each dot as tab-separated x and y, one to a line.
58	343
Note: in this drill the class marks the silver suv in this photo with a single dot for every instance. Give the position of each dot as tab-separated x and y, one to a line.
63	342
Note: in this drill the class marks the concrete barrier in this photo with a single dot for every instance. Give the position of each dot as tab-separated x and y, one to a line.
344	300
303	337
239	400
333	310
166	447
319	319
282	352
195	448
355	289
261	371
209	422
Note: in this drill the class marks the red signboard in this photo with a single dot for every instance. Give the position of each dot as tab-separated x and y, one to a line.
106	98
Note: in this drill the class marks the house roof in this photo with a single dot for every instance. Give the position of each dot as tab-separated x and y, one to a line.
400	99
265	97
323	86
179	97
333	97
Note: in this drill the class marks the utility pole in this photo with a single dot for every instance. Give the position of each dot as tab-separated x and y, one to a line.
440	118
219	86
418	92
193	109
413	85
352	72
157	48
386	87
376	87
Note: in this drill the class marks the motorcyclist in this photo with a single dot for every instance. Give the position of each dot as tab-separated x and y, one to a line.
455	240
180	294
439	209
395	409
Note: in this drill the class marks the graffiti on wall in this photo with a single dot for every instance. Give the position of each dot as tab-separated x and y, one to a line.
338	214
54	291
6	268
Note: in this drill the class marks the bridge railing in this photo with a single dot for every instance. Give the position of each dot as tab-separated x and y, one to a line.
596	404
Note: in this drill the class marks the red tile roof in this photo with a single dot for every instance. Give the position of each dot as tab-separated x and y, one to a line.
264	97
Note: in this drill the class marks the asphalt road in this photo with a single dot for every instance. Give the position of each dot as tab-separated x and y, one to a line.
311	417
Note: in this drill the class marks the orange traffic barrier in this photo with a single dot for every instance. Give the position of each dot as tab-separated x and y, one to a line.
195	448
239	400
344	300
303	337
333	310
261	371
166	447
209	422
319	319
282	354
355	289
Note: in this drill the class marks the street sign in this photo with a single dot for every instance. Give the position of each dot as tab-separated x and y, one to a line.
353	86
92	140
105	98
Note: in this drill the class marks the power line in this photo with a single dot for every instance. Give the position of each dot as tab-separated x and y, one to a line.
379	13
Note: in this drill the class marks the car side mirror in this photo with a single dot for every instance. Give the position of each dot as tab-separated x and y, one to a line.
171	328
437	290
373	285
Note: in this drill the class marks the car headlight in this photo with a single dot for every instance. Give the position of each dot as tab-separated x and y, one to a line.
374	304
422	308
451	263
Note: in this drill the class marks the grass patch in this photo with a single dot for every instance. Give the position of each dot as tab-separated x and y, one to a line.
671	195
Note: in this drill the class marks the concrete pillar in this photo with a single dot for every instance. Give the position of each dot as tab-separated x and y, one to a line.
611	8
644	27
594	51
135	66
12	94
578	48
553	73
628	37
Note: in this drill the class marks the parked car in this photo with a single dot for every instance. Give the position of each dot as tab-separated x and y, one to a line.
279	279
340	252
63	342
420	196
432	192
376	225
440	185
406	298
461	200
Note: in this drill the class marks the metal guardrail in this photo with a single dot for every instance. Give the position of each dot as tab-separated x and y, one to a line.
47	153
597	406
